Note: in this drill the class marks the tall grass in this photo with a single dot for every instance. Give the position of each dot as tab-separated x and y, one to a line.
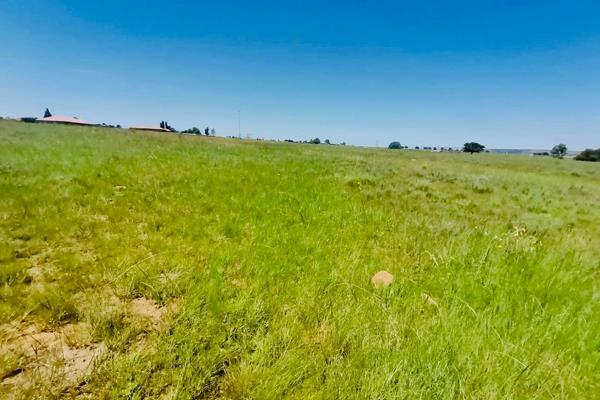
269	249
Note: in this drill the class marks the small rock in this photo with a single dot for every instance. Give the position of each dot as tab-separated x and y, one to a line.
120	188
382	278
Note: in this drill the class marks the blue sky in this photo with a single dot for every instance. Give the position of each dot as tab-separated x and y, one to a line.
509	74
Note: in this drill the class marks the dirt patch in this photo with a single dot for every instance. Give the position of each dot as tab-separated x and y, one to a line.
148	309
152	312
59	358
36	272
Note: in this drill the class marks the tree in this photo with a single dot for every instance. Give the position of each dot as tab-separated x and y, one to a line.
213	132
327	141
193	131
395	145
559	151
165	125
589	155
47	113
315	141
206	131
473	147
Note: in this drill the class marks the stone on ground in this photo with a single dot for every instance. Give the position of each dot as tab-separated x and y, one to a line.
382	279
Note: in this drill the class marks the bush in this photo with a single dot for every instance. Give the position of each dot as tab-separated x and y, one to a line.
589	155
395	145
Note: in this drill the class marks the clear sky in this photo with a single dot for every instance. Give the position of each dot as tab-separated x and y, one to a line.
509	74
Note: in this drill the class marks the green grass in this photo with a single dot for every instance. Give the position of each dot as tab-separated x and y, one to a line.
268	250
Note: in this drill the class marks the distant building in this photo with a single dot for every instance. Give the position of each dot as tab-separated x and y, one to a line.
61	119
153	128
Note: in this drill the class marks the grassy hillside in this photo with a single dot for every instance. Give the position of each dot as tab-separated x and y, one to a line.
155	265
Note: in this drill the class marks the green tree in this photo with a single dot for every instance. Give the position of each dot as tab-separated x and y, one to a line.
47	113
473	147
559	151
395	145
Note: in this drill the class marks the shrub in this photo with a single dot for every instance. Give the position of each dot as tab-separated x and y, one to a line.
589	155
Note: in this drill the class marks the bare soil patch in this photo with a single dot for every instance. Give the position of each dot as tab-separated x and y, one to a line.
61	357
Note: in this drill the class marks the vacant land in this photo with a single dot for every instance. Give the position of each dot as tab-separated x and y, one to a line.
164	266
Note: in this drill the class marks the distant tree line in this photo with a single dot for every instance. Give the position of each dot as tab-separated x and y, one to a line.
559	151
195	131
395	145
313	141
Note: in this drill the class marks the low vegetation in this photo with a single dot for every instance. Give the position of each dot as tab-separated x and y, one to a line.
149	265
589	155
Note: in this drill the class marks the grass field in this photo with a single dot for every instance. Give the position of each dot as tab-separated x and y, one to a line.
162	266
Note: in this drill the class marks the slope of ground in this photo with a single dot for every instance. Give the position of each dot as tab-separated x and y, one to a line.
164	266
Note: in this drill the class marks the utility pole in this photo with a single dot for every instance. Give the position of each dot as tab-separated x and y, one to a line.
239	125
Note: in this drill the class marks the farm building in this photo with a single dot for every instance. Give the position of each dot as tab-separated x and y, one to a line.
153	128
61	119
